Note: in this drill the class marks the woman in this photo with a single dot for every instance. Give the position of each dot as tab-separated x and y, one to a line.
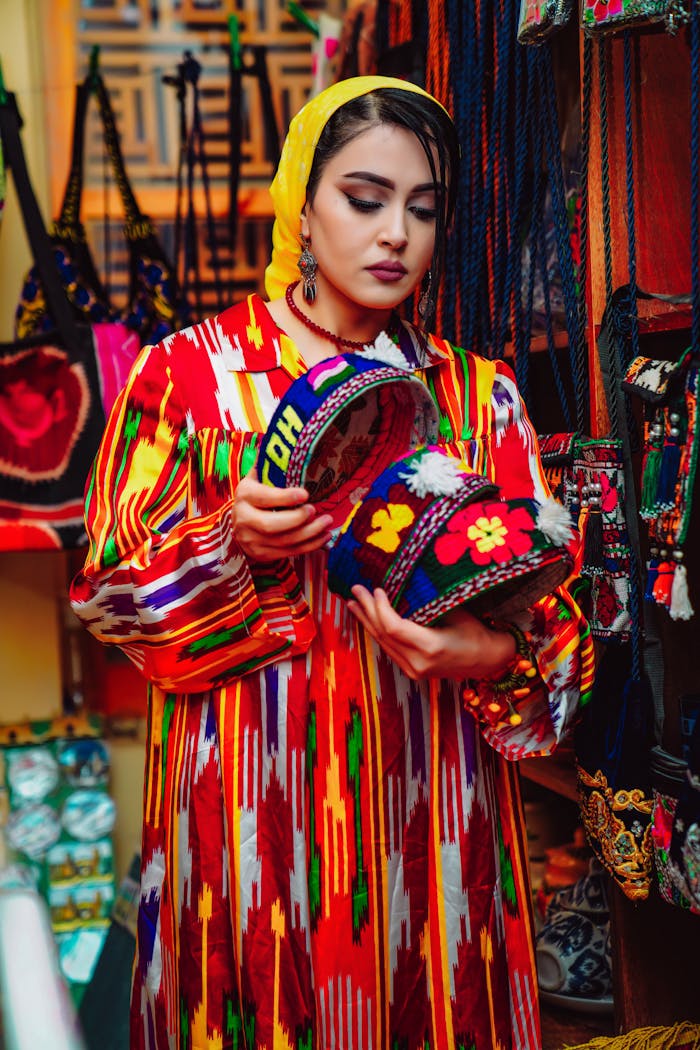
333	850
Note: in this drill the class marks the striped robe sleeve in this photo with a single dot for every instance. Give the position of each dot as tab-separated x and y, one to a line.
174	591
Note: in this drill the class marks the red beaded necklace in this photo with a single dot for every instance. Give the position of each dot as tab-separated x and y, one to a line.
351	344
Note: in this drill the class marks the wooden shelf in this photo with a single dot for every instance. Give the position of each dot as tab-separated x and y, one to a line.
556	773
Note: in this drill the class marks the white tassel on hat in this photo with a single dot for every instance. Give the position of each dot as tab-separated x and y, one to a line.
434	473
385	349
554	522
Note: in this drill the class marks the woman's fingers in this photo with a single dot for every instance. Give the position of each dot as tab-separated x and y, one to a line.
386	622
267	497
271	523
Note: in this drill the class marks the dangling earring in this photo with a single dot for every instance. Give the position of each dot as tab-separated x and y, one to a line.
426	302
307	268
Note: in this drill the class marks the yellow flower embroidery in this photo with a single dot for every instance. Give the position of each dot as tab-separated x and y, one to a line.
388	524
487	533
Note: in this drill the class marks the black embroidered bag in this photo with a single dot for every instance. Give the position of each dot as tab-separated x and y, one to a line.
154	305
53	395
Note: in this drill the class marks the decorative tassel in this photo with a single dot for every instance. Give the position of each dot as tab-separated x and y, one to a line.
434	473
554	521
593	563
664	581
681	609
670	464
650	473
684	1034
652	573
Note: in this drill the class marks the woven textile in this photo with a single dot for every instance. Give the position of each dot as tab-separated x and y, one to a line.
333	855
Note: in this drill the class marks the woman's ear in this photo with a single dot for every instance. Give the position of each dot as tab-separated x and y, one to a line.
305	231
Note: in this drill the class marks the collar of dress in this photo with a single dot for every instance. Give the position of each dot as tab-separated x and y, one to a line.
265	347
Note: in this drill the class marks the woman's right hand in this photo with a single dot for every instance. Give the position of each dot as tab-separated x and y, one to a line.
271	523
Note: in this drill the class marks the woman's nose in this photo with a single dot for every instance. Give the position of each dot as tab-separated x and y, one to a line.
394	232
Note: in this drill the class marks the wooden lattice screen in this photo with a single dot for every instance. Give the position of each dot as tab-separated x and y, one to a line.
140	42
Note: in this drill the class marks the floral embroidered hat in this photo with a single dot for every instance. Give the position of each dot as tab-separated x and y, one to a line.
342	422
436	535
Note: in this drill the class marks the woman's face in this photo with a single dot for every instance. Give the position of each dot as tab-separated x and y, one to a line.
372	221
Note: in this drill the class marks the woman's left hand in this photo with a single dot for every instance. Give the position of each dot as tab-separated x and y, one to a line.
460	647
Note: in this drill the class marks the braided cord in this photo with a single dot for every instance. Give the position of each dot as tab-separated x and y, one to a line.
631	223
458	247
605	194
549	326
561	223
514	288
501	212
537	237
581	371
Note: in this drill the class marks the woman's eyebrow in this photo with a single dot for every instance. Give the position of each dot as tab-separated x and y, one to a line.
379	180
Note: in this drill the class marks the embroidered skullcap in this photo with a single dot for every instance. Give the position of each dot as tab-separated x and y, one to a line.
288	189
342	422
434	535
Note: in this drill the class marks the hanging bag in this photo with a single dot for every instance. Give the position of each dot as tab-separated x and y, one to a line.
676	825
53	392
154	307
613	741
540	18
599	15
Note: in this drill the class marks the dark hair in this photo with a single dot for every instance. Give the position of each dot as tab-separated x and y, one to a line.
421	115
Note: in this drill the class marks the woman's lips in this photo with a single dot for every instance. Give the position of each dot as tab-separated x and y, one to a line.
387	272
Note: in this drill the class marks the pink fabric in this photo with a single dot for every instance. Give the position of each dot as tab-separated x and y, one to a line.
116	347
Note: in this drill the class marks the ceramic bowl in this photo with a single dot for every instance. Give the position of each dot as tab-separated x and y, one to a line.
571	955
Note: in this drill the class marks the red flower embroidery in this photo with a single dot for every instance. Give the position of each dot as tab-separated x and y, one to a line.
600	10
488	531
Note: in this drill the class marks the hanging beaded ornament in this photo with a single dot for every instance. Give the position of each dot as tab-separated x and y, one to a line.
669	391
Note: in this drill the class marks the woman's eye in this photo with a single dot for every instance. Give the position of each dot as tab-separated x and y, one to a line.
425	214
361	204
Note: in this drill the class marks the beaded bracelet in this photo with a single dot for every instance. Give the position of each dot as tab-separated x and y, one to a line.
495	697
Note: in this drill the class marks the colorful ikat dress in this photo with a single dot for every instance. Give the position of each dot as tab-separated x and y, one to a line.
333	854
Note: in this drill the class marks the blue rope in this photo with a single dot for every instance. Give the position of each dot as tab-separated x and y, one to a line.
549	327
523	365
694	163
475	259
502	98
521	341
451	282
462	29
538	260
561	224
605	195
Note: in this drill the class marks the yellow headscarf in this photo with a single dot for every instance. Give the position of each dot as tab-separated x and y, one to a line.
288	189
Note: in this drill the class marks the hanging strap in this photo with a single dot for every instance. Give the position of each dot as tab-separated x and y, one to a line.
42	249
136	224
255	65
192	154
235	128
68	224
